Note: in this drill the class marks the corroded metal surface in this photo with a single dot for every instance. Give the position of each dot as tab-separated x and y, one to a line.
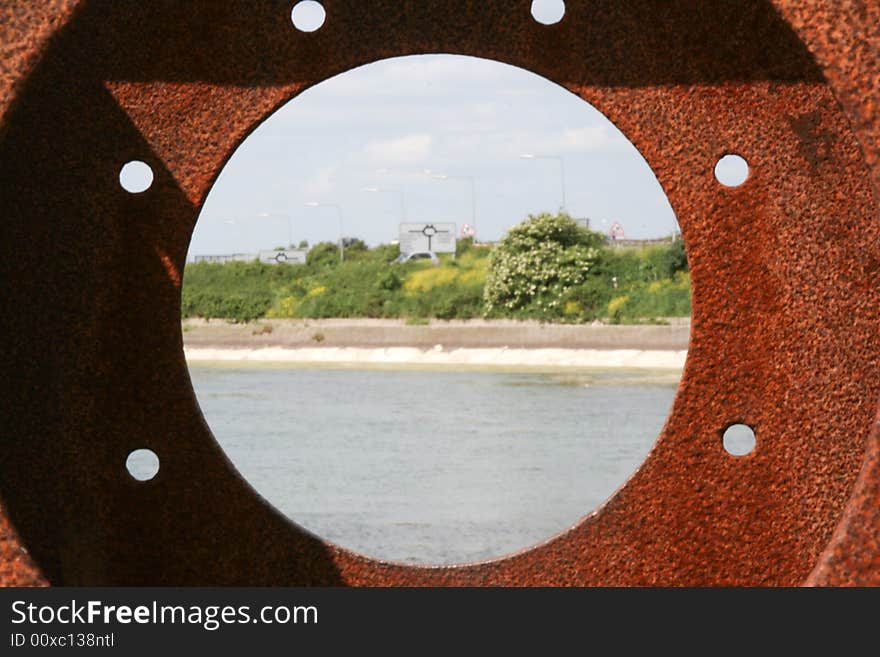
845	39
786	283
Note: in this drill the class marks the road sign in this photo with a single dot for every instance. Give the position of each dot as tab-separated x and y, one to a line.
616	232
285	257
419	238
229	257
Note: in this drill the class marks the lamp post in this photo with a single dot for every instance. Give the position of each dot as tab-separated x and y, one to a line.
315	204
531	156
382	190
473	184
289	219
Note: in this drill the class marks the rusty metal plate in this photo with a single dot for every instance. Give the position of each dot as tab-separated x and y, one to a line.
785	271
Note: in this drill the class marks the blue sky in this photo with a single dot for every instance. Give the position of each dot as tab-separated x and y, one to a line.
385	124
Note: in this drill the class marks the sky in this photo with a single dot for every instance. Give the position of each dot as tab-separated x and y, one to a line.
396	125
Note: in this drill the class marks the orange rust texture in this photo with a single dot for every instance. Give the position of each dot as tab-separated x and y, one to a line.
845	39
786	286
24	32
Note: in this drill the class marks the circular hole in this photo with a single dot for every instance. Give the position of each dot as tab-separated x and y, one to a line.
732	170
142	464
548	12
136	177
432	453
739	440
308	15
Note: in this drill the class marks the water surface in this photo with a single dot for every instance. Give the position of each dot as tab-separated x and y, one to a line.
433	466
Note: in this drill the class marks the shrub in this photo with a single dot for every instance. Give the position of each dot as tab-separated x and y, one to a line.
537	263
463	245
616	308
669	297
235	307
389	280
591	298
386	252
238	291
323	254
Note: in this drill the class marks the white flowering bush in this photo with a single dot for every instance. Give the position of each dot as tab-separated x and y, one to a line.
536	264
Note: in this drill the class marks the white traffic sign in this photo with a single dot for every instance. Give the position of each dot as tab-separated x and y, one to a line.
420	238
285	257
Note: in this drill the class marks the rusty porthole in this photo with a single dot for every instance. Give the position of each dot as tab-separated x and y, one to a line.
785	272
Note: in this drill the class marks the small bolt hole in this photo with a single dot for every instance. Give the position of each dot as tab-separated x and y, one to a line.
136	177
308	15
732	170
739	440
548	12
142	464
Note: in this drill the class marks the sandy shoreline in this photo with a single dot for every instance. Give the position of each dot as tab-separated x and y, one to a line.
463	344
479	358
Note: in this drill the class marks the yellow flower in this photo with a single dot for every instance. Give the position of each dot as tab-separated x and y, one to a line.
617	304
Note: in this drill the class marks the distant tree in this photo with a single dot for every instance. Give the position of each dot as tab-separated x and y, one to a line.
303	244
354	244
323	254
537	263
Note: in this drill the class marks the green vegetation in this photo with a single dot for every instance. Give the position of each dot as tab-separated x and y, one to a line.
537	266
546	268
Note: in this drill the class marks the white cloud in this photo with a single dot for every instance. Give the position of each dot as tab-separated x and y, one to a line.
410	149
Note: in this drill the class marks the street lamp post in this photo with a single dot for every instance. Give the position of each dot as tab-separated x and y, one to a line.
473	184
289	219
558	158
315	204
381	190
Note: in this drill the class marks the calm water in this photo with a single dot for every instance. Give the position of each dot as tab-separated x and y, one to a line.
430	466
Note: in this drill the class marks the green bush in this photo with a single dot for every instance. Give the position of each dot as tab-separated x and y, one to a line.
238	291
236	307
535	266
386	252
589	300
463	245
323	254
